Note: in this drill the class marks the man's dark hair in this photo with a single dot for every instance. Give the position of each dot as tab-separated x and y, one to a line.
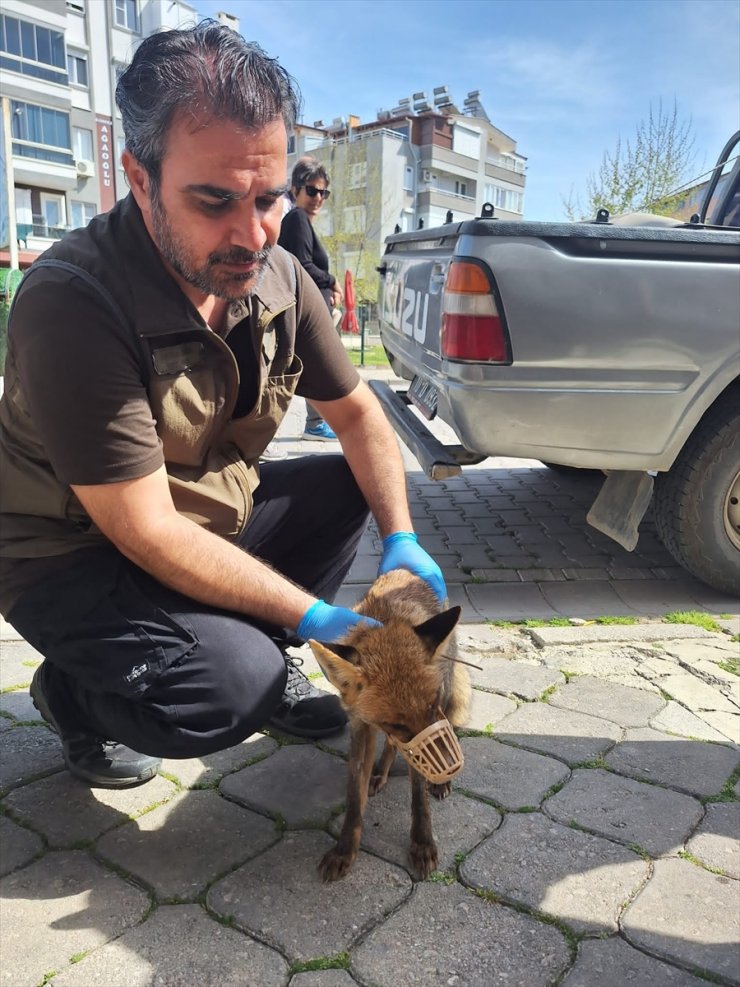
205	70
307	170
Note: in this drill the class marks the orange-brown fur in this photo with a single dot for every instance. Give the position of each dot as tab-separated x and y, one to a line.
398	679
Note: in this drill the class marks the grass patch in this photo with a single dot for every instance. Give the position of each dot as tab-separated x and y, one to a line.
374	356
685	855
727	794
617	620
338	962
503	624
732	665
695	617
441	877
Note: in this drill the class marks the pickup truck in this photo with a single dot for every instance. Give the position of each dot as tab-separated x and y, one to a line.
608	345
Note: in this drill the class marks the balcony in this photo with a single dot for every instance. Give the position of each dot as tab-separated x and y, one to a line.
432	195
38	235
44	166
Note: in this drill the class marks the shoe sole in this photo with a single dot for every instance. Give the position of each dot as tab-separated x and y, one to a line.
318	438
96	781
306	734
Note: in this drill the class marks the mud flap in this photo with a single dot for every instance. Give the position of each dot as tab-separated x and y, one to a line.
620	506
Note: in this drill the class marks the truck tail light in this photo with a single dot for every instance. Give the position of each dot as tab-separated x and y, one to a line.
473	327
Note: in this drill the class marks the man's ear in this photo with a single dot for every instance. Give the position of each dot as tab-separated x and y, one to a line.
138	180
435	631
342	674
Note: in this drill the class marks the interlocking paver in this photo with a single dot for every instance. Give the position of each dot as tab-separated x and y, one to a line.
687	765
178	848
687	915
512	778
205	771
629	811
68	812
17	845
487	709
613	961
572	737
19	705
179	945
517	678
619	703
581	879
28	753
716	842
59	906
17	663
299	784
280	897
447	936
675	719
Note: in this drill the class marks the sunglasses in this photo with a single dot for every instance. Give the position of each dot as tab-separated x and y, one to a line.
313	191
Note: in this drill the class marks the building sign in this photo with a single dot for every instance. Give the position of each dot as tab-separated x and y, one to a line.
106	164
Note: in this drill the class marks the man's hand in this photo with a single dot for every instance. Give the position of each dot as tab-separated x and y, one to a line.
402	551
323	622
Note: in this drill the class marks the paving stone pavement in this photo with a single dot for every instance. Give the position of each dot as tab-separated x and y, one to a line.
592	838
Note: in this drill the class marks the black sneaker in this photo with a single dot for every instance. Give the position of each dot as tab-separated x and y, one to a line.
99	762
305	711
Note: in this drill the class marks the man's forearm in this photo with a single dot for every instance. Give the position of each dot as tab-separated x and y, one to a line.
201	565
371	449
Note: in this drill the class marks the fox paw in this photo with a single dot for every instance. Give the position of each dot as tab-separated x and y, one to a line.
423	858
376	784
335	864
441	791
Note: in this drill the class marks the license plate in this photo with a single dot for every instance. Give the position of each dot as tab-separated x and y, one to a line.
423	395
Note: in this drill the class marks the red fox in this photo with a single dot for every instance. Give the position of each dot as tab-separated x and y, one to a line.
404	680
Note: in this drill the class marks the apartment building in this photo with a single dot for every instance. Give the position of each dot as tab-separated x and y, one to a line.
417	165
59	64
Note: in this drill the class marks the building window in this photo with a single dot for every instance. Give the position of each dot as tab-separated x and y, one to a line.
504	198
125	14
408	179
78	6
77	69
81	213
32	50
82	144
40	132
358	175
461	188
291	144
120	148
53	216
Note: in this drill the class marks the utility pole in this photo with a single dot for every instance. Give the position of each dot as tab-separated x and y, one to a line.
7	191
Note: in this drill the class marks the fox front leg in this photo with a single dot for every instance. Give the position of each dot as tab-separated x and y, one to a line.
336	862
423	854
382	769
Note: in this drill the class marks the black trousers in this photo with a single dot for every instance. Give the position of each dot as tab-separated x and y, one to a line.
133	661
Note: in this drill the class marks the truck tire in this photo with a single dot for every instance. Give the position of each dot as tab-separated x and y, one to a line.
697	503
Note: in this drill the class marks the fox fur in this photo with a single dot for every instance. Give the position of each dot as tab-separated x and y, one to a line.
397	679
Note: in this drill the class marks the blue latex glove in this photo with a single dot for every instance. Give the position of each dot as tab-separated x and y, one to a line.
323	622
403	551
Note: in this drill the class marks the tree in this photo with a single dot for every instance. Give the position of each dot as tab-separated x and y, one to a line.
642	174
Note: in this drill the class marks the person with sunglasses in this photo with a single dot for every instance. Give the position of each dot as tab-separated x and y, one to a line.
308	193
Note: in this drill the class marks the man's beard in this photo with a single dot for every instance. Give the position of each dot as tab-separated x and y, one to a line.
229	285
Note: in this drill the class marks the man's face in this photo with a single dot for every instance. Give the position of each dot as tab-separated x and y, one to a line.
218	207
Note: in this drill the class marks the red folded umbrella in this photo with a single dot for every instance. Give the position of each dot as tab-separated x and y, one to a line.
349	320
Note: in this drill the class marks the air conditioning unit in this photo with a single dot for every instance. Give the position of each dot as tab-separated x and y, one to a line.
85	169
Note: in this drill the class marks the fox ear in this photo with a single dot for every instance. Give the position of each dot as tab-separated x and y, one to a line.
435	631
342	674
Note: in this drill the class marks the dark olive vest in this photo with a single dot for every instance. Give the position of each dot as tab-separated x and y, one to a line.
192	379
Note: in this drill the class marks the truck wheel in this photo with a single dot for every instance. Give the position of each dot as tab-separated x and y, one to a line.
697	503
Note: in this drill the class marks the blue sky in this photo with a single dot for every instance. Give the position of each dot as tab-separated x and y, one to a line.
564	78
